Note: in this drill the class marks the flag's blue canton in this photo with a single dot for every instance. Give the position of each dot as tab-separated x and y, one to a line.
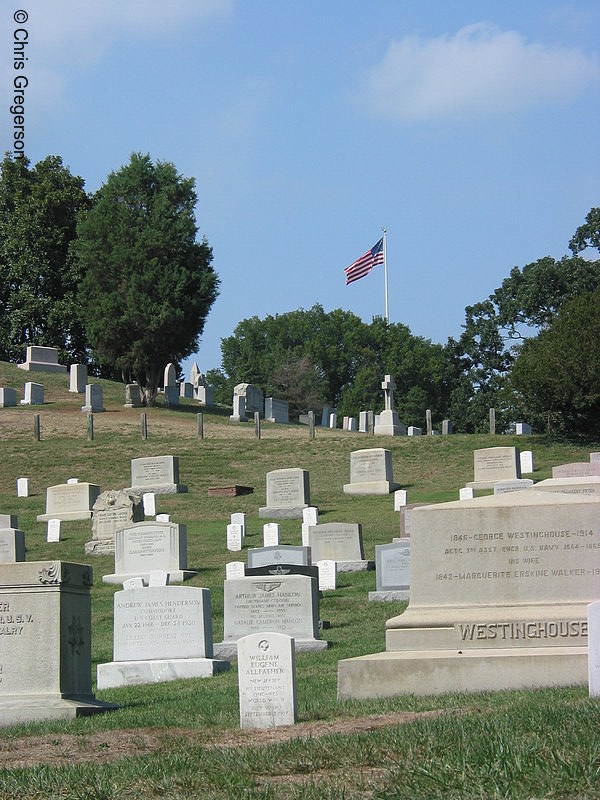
363	265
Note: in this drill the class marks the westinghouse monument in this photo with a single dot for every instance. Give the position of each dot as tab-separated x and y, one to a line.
498	599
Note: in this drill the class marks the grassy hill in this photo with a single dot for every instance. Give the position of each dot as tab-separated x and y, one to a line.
182	739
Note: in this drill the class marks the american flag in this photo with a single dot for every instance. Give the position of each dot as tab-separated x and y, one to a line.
363	265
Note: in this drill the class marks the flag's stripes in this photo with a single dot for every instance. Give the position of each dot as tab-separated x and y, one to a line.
363	265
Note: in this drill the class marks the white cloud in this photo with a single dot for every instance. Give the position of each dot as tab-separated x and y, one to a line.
481	70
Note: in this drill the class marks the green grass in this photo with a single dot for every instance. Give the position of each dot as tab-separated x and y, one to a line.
539	744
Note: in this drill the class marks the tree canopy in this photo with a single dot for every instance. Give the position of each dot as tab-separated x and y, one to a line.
148	284
557	373
316	356
39	277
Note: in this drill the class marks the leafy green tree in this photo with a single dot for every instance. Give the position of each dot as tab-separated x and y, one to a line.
557	373
148	284
313	356
39	277
527	302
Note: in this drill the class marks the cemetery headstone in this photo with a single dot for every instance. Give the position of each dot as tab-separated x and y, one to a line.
42	359
239	518
163	518
276	410
8	397
133	396
158	474
46	610
70	501
53	530
466	493
310	515
429	422
526	459
577	469
111	511
516	485
254	399
414	431
362	422
371	472
333	420
22	487
446	427
271	534
145	546
161	633
33	394
288	493
325	415
235	537
149	504
78	378
283	604
392	570
498	599
522	429
94	403
593	617
267	680
279	554
493	464
400	499
492	421
340	542
186	390
388	423
235	569
12	545
239	409
9	521
327	574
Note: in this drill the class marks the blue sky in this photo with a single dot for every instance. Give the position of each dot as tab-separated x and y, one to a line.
468	129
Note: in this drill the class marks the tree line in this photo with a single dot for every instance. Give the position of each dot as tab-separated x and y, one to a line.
115	279
118	280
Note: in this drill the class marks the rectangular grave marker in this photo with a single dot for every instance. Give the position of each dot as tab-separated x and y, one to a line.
267	680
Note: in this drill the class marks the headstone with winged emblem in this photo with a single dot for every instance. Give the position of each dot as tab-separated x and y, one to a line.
282	604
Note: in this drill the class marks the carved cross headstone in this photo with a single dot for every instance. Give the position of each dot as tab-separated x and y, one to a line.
388	387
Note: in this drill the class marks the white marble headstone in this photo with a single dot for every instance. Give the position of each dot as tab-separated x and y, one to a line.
235	569
271	534
22	487
234	537
149	500
267	680
327	575
53	532
466	493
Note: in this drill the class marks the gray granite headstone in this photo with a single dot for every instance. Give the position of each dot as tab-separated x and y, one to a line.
392	564
279	554
288	493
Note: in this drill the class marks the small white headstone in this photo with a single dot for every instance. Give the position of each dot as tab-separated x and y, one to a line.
466	493
234	537
53	534
149	500
235	569
72	480
526	457
22	487
414	431
163	518
305	527
158	577
400	499
333	420
133	583
327	575
523	429
239	518
310	515
267	680
593	615
271	534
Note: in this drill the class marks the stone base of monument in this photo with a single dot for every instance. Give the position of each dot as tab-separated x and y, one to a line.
164	488
389	595
228	650
173	576
132	673
100	547
388	424
65	516
269	512
354	566
441	671
371	487
23	709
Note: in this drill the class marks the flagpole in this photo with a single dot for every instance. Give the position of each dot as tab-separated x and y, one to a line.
387	315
